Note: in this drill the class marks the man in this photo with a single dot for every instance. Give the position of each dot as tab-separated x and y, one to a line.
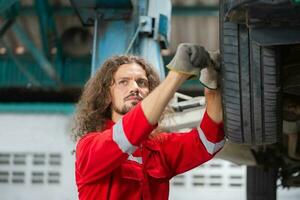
121	154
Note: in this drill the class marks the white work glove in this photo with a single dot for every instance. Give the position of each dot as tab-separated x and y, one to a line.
209	75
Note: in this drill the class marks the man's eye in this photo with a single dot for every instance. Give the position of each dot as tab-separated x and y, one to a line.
123	82
142	83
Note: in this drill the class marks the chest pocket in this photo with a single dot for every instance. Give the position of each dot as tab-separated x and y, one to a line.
156	166
132	171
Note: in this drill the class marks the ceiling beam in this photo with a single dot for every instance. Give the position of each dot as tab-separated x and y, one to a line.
176	10
195	10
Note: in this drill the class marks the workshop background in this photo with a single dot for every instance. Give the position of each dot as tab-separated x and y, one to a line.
45	60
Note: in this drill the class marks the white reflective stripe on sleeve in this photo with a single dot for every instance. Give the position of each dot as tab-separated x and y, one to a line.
210	147
120	138
136	159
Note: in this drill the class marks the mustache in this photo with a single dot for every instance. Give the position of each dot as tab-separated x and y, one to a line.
136	95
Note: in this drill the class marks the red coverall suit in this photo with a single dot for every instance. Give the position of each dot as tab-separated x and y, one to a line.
121	163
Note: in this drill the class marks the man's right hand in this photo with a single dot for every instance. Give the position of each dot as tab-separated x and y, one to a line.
189	60
209	76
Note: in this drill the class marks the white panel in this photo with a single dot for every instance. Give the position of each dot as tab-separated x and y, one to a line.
231	179
39	146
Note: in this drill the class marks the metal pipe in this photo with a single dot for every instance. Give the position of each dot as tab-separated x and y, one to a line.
20	66
6	25
37	55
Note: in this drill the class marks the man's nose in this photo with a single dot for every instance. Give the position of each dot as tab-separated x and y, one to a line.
134	86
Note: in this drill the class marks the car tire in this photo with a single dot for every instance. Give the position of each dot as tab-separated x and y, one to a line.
250	86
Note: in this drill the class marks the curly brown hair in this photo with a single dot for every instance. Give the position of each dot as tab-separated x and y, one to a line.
93	108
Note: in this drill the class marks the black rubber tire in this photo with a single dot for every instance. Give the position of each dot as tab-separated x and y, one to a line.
250	86
261	183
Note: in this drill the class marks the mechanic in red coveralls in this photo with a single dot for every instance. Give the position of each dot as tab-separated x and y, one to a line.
121	154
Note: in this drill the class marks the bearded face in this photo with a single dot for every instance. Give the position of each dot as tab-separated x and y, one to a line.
129	88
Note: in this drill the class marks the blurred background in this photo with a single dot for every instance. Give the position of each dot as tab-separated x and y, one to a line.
46	56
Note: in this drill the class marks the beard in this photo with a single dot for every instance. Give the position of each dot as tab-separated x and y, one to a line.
125	108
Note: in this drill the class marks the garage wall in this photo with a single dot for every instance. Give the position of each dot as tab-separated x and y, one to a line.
35	157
